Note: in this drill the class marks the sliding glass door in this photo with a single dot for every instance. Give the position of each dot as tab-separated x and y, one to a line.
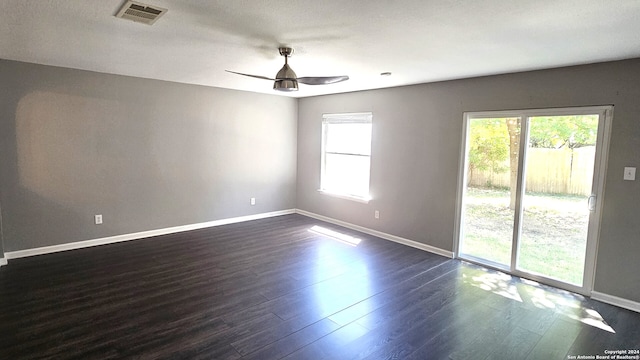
489	204
529	192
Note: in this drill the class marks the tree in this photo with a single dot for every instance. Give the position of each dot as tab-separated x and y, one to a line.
513	126
493	141
487	148
563	131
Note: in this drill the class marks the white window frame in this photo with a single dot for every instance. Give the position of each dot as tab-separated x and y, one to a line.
361	118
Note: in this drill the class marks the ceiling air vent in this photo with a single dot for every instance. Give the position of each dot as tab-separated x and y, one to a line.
139	12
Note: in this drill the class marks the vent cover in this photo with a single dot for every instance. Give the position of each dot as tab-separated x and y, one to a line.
139	12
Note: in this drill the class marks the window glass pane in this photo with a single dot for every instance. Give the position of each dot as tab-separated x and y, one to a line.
559	177
490	196
347	174
350	138
346	154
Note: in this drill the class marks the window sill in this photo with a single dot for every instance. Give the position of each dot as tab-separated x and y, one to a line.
345	196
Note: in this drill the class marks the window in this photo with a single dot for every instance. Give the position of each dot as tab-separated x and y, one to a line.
346	153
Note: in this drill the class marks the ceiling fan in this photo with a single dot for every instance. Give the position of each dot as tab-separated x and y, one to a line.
287	80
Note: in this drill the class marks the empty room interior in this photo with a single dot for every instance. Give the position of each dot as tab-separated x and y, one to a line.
319	179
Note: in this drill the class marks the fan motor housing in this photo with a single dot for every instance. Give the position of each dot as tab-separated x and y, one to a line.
286	79
286	73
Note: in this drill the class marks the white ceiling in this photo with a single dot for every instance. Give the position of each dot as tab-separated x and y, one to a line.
417	40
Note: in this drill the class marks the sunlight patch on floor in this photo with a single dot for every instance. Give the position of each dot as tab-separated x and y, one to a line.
344	238
565	303
562	302
497	283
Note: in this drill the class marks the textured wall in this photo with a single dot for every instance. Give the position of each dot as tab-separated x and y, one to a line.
417	135
145	154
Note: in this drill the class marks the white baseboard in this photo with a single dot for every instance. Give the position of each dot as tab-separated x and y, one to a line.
617	301
138	235
3	261
400	240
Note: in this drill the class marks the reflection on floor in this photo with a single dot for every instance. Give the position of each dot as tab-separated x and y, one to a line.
350	240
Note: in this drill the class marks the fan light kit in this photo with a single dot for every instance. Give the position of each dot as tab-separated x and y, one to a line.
287	80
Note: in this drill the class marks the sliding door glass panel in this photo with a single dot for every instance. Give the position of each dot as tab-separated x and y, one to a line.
559	169
488	203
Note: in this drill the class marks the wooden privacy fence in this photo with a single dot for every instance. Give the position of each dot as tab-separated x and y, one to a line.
555	171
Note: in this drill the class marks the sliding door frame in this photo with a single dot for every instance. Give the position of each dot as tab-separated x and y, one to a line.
605	113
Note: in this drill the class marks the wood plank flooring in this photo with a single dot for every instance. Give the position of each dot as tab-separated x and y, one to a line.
272	289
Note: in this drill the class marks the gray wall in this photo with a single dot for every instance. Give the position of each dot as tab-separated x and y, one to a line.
1	236
417	134
145	154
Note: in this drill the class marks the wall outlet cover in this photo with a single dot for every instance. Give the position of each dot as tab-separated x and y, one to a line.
629	173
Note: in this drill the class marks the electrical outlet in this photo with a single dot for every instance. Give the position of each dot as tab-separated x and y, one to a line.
629	173
98	219
252	201
376	214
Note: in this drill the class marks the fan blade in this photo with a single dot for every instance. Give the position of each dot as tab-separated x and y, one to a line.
253	76
326	80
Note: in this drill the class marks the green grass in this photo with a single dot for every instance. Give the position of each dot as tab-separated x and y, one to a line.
490	248
553	233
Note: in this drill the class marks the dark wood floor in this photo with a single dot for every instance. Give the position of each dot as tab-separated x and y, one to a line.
271	289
